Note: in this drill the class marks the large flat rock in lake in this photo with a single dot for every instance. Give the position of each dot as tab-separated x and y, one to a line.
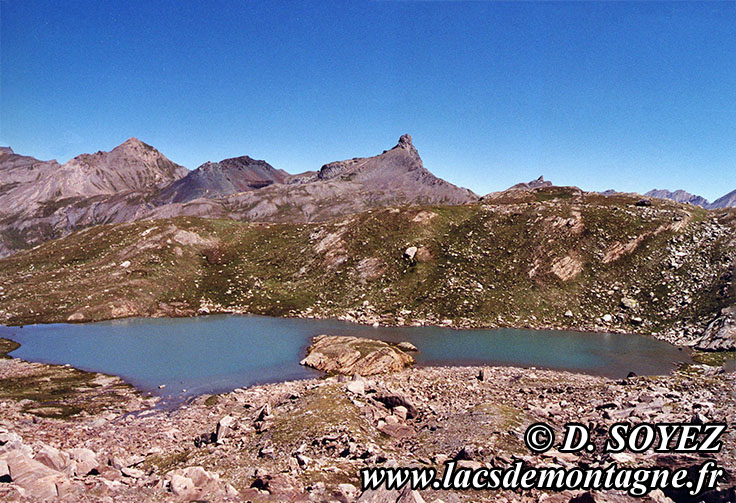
355	355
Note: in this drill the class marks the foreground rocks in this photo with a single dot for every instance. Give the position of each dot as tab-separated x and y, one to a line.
307	440
356	355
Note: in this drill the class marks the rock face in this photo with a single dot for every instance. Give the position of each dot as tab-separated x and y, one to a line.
355	355
721	333
679	196
44	200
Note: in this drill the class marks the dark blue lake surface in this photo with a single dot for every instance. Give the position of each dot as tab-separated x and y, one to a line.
219	353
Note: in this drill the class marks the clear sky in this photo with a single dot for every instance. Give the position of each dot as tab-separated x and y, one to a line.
619	95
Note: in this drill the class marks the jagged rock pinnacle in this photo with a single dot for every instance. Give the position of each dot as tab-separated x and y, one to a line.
405	141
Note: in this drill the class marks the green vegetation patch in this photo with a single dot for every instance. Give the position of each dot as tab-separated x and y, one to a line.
714	359
56	391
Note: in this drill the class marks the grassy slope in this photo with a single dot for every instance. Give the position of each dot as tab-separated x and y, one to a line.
487	264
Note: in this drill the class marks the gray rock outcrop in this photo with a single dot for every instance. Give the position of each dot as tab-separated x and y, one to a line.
720	335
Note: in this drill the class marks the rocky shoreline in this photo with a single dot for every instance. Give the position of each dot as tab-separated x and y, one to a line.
307	440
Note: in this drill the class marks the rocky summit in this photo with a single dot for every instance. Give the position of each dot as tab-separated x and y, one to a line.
44	200
218	179
534	184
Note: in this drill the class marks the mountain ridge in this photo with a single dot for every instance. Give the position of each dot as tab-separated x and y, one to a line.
45	200
679	196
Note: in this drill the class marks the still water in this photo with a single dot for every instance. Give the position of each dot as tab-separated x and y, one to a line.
222	352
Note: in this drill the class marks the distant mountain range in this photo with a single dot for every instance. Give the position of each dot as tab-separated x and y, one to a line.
41	200
681	196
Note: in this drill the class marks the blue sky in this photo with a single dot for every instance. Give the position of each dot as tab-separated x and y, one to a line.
600	95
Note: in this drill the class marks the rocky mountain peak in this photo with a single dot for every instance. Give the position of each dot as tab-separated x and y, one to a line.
218	179
405	141
6	150
134	143
243	160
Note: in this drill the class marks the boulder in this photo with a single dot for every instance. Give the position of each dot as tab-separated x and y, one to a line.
281	485
409	496
356	387
180	485
394	400
401	412
53	458
200	477
355	355
346	492
424	254
36	479
10	441
410	252
224	426
628	303
133	473
406	346
85	459
4	471
383	495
